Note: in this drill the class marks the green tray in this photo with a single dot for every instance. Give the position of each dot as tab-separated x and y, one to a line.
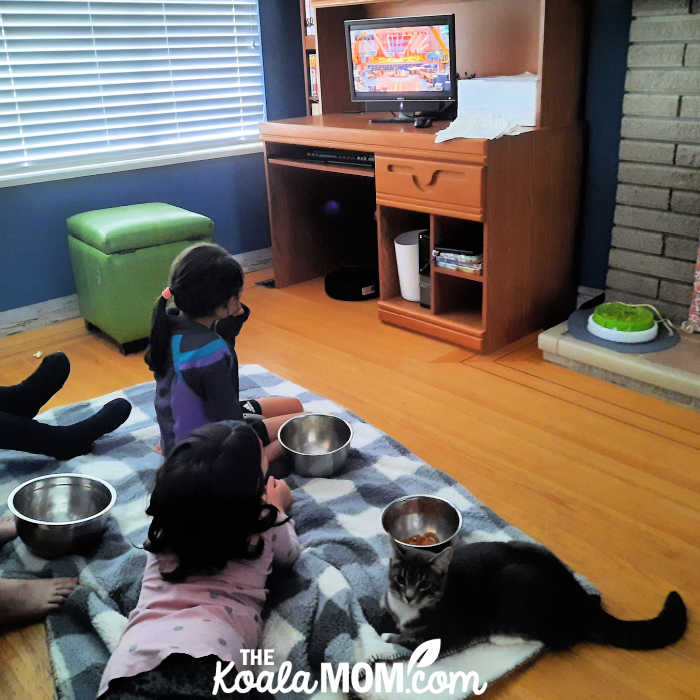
622	317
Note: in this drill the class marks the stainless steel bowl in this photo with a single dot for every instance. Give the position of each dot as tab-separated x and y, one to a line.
317	443
61	513
416	515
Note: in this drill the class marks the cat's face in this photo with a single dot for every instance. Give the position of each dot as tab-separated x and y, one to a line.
418	578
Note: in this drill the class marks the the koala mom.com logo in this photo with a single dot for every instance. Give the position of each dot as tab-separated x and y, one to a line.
411	677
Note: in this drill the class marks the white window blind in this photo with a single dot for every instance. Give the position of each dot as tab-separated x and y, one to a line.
100	81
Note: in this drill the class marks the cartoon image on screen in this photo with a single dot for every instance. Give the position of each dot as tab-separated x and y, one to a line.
401	59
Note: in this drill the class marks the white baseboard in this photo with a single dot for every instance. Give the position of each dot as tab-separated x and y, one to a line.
26	318
255	259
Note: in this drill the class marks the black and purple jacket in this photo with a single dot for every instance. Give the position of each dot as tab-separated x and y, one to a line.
200	385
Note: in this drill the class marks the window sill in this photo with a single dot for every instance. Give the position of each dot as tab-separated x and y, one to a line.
128	164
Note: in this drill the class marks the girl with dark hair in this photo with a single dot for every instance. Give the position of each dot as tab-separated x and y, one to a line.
219	527
192	351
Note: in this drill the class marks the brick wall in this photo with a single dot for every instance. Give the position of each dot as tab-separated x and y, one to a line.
654	241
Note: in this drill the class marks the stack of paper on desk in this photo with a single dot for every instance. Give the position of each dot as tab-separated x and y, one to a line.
479	125
512	96
492	107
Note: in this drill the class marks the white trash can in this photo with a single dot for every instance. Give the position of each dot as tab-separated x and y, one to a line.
406	245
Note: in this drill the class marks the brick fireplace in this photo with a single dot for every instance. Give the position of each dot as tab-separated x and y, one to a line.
654	243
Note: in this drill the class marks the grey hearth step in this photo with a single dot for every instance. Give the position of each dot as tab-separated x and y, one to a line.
673	375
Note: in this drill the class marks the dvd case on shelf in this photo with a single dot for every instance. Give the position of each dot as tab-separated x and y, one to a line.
458	256
458	267
313	75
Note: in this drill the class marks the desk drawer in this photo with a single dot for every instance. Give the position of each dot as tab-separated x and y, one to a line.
457	187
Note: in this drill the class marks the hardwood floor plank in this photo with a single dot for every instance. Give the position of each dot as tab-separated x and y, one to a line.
25	669
528	360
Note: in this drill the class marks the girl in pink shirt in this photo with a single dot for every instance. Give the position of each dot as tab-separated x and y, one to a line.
218	528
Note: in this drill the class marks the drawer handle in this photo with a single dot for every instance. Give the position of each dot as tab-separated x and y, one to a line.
430	181
444	175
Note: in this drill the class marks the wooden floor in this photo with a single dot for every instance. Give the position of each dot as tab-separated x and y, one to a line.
607	478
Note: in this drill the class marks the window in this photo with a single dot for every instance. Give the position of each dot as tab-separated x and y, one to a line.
99	85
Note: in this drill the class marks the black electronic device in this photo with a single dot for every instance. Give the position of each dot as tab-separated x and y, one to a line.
422	122
404	62
336	156
353	283
424	256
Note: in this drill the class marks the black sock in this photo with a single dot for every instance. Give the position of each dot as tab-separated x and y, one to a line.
27	397
84	433
61	441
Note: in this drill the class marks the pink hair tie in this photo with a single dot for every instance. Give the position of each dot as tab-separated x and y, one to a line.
166	293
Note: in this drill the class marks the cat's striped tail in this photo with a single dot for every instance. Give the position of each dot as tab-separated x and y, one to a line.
664	629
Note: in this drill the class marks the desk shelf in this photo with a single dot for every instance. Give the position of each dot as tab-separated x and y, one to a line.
464	327
472	277
468	320
456	309
310	165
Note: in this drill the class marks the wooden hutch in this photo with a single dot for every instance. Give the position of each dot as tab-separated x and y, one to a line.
518	194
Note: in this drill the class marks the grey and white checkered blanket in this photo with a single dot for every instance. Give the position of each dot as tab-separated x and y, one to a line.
324	610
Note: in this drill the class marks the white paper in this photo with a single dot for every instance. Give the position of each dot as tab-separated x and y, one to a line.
479	125
524	77
513	96
489	108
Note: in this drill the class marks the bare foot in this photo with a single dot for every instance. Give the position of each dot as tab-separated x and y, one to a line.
8	529
28	600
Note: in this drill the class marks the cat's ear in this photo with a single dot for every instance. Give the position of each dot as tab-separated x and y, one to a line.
441	560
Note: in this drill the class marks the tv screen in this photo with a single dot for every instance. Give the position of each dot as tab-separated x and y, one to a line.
402	58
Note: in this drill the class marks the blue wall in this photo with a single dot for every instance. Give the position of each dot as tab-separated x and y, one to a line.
35	264
607	62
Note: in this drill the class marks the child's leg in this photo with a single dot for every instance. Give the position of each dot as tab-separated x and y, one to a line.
27	397
273	406
23	601
275	411
272	425
61	441
28	600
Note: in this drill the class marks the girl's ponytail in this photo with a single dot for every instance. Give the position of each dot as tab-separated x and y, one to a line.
157	353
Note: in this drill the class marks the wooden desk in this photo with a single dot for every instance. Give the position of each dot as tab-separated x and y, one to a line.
518	195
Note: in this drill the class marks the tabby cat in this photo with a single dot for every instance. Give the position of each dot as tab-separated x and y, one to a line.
476	592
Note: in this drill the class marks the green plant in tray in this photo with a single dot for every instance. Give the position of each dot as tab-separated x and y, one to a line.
622	317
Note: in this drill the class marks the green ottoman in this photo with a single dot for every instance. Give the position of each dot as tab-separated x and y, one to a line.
121	260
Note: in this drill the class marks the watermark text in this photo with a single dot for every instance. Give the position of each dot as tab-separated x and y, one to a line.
411	677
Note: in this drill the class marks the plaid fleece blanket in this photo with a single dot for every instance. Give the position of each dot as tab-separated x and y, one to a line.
325	610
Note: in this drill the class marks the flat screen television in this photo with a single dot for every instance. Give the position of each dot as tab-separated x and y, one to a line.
409	60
